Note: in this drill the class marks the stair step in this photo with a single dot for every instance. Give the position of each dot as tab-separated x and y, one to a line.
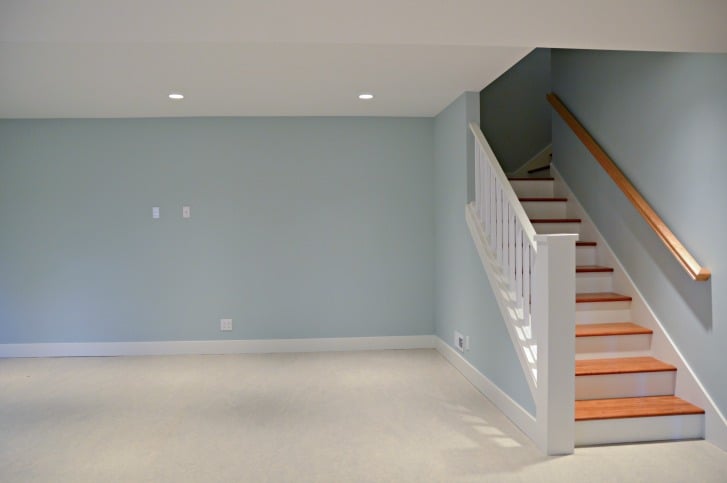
537	170
621	365
610	329
533	187
586	255
592	269
601	297
543	199
623	377
555	220
533	178
634	407
614	339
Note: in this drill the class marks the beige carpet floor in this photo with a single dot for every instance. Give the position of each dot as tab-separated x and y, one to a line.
380	416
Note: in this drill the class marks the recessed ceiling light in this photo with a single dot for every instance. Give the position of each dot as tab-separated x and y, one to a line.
365	96
176	96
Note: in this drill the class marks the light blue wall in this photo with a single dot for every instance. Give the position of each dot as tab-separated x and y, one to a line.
515	117
300	228
662	117
465	301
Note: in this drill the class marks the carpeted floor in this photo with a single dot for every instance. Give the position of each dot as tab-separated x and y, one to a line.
382	416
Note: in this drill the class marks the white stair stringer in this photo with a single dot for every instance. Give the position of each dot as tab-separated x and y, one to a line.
712	425
518	329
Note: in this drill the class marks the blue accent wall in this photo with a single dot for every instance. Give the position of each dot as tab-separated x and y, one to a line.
662	117
515	117
315	227
465	301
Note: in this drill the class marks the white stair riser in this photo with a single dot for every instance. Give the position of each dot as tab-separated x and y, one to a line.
640	384
533	189
545	209
593	282
549	228
631	430
602	316
585	255
613	343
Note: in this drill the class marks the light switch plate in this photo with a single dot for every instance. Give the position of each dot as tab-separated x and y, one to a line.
186	212
155	212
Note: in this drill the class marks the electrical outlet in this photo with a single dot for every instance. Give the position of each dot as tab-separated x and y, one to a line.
225	324
459	341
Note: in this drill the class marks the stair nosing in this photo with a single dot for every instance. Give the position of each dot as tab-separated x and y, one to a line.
520	178
582	298
593	269
687	408
634	329
555	220
627	366
544	199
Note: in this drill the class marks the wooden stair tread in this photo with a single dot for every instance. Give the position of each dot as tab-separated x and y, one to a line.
555	220
542	199
621	365
532	178
634	407
601	297
586	244
592	269
612	328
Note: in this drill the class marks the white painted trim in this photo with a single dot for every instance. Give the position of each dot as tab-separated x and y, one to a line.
503	295
256	346
540	159
688	385
516	413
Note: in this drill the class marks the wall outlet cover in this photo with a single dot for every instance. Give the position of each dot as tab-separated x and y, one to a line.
225	324
459	341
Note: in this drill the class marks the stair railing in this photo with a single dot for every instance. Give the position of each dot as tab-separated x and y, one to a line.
677	249
533	277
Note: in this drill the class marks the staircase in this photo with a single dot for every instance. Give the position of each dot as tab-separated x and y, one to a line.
622	393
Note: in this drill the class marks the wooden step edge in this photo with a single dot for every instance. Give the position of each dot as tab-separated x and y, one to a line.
610	329
593	269
634	407
555	220
534	178
537	170
582	298
586	244
542	199
621	365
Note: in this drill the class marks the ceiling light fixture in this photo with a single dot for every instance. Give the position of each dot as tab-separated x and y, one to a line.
365	96
176	96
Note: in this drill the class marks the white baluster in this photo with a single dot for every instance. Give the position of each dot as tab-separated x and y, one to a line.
478	197
519	264
526	283
511	249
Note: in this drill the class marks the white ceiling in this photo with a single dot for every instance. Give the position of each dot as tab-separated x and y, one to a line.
96	58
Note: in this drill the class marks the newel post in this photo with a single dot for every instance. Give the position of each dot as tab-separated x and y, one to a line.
553	306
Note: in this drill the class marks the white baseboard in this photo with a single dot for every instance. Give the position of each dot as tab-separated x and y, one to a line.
516	413
257	346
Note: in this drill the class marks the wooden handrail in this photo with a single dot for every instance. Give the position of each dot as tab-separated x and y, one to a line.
696	271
